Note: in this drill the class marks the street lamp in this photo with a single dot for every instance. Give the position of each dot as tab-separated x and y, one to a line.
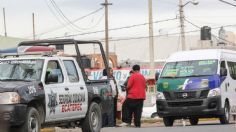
194	2
181	13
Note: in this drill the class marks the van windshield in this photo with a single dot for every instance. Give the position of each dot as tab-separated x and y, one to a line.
21	70
192	68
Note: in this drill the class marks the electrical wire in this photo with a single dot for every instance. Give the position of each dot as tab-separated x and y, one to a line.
155	36
119	28
67	19
170	2
211	33
146	37
63	16
65	25
226	2
97	23
54	14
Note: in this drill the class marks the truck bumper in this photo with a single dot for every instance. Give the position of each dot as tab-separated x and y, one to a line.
13	115
202	108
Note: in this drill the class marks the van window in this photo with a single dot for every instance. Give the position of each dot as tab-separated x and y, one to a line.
190	68
232	69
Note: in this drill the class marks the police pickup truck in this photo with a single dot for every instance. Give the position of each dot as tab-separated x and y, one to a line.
51	90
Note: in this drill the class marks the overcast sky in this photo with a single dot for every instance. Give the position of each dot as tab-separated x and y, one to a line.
121	13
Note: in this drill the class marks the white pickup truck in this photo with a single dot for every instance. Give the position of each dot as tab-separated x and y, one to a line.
51	90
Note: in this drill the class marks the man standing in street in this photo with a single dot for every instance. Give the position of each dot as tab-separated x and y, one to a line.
136	96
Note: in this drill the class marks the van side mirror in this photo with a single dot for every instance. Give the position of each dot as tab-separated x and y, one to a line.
157	76
223	72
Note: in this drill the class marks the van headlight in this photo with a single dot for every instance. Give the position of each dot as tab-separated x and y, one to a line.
214	92
160	95
9	98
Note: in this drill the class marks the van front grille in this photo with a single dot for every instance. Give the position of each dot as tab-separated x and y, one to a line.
185	103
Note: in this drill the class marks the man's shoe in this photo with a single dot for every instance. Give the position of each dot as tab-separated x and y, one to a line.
125	124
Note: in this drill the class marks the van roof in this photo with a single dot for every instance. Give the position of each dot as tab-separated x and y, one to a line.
203	54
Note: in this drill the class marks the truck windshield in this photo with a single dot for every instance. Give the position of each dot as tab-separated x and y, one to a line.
189	68
21	70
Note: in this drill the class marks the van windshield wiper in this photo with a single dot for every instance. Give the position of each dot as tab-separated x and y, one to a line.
195	75
168	77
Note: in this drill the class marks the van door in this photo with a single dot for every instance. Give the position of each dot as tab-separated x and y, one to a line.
78	90
232	86
55	86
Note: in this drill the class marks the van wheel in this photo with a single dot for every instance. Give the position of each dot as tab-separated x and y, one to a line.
31	124
168	121
193	121
93	119
225	118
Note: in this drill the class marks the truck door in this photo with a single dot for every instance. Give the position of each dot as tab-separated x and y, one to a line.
79	102
55	86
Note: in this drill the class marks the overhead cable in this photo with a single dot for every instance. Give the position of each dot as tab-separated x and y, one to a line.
119	28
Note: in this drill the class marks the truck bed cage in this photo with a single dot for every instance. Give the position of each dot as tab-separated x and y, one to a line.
45	53
56	42
67	42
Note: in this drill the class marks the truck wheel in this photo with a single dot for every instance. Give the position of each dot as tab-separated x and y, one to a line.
193	121
31	124
225	118
93	119
168	121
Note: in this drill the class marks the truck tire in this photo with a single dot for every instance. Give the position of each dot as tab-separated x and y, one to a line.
193	121
224	119
168	121
31	124
93	119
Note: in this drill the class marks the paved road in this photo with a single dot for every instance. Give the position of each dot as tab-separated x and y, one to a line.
211	127
204	126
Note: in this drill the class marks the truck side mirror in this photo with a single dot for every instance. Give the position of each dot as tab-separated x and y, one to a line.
51	78
223	72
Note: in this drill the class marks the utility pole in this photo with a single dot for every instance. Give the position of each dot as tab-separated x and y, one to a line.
106	4
4	19
33	26
181	19
151	39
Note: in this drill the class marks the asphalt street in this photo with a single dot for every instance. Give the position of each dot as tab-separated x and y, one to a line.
213	127
204	126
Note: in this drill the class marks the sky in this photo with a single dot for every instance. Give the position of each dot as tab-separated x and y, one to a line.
122	13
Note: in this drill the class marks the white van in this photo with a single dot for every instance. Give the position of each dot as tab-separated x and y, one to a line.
198	84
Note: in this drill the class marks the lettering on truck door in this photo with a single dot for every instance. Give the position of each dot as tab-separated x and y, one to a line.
55	85
79	99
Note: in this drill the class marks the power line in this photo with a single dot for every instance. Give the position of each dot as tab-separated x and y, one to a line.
119	28
54	14
211	34
99	21
73	21
146	37
63	16
170	2
226	2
